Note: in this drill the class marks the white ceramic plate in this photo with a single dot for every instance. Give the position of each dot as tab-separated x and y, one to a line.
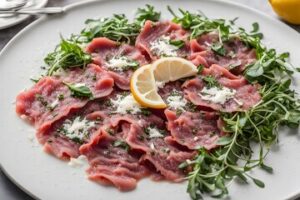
46	177
6	22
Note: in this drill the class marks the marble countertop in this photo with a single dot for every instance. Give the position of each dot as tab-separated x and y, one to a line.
8	191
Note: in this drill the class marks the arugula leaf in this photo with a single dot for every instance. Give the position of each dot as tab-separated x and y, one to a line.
117	28
200	69
269	68
254	70
147	13
79	90
218	48
200	24
67	54
224	141
177	43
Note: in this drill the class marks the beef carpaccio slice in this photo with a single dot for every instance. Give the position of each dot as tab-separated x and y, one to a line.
111	164
119	60
85	122
155	40
50	99
195	130
245	97
236	54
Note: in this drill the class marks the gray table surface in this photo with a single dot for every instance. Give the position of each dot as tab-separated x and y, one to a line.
8	191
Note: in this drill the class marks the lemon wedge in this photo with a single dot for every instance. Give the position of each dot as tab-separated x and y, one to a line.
146	80
289	10
172	68
144	90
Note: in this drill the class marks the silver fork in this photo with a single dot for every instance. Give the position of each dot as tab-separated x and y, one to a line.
36	11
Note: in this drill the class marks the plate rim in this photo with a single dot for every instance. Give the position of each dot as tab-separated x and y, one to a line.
71	6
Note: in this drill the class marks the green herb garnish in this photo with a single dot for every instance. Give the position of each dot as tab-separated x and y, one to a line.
200	68
41	99
218	48
110	131
132	65
185	164
35	80
67	54
117	28
61	97
79	90
147	13
200	24
211	81
121	144
177	43
146	112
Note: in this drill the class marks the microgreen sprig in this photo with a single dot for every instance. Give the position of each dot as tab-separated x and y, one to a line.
67	54
147	13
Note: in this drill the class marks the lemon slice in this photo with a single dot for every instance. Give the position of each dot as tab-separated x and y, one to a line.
145	80
144	90
171	69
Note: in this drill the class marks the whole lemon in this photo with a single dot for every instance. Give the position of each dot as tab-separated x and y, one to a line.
289	10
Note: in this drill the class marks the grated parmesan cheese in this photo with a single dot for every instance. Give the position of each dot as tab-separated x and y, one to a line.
176	101
126	104
161	46
54	103
119	63
216	94
152	146
78	162
154	133
78	128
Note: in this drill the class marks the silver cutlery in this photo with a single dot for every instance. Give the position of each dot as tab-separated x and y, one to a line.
35	11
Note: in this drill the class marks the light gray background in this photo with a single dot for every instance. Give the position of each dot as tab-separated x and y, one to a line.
8	191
